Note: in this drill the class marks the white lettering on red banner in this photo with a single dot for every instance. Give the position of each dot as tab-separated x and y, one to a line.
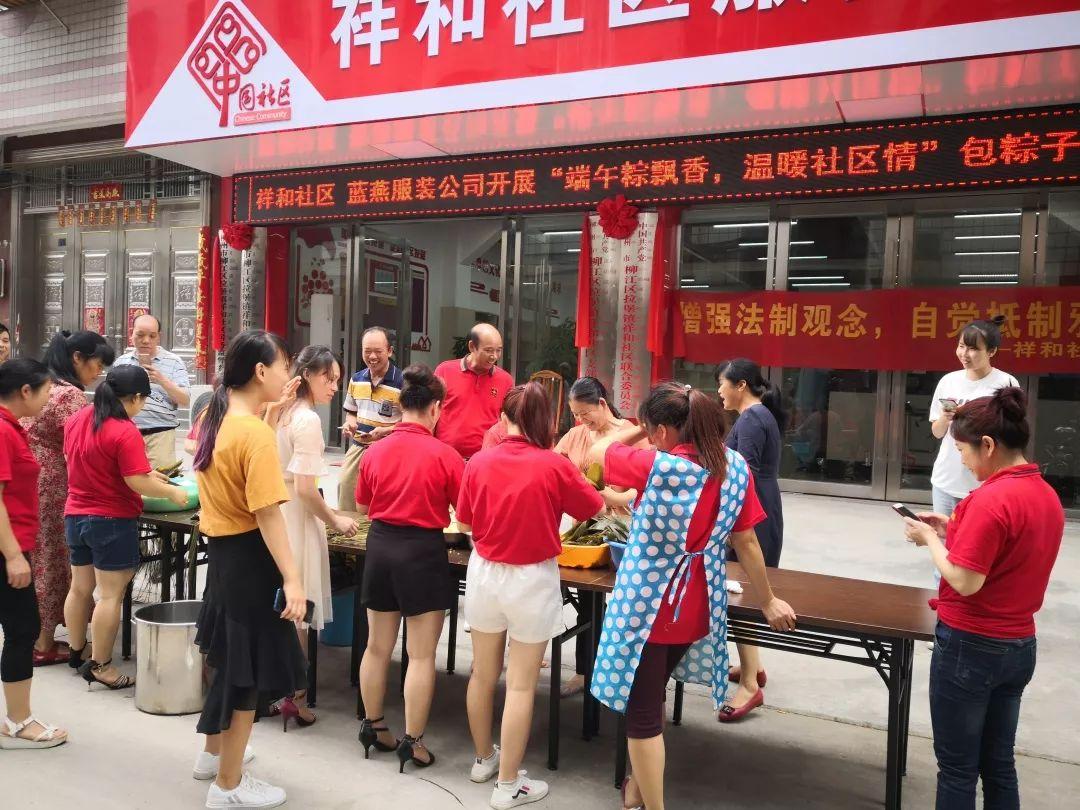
628	12
362	28
438	16
556	26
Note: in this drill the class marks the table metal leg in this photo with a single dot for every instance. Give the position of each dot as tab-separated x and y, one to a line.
597	627
553	704
676	715
893	778
166	565
905	706
313	666
179	562
125	624
620	749
588	614
193	564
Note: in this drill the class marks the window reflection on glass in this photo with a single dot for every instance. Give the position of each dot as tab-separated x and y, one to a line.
1063	240
1057	435
830	436
920	448
721	251
969	248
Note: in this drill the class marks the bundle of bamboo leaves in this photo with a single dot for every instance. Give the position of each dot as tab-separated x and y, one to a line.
598	530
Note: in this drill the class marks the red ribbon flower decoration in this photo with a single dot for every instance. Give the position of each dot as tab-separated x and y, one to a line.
238	235
618	219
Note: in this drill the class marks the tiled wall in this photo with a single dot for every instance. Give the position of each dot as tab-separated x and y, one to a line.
51	79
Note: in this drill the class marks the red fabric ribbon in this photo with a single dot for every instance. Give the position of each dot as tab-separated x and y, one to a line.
218	287
202	300
618	218
583	332
238	235
662	280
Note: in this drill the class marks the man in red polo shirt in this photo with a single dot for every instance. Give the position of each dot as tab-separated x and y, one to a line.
475	390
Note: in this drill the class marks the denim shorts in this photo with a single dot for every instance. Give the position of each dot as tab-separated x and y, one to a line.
109	544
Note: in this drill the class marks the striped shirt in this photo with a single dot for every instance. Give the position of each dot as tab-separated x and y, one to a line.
374	406
160	410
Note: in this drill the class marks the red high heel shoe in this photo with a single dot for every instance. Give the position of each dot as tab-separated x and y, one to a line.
734	675
289	709
729	714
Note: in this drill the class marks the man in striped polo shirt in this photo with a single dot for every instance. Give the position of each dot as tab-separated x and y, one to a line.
169	389
371	407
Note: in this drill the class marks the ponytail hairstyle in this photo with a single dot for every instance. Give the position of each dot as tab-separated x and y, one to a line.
1002	417
244	353
988	331
527	407
590	391
120	382
697	417
14	374
743	370
59	357
421	388
312	360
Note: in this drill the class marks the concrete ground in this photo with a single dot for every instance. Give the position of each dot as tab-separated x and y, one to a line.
818	743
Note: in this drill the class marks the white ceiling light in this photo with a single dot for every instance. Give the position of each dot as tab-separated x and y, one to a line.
694	287
990	236
987	253
989	275
816	278
985	283
987	216
844	284
753	244
573	250
731	225
562	233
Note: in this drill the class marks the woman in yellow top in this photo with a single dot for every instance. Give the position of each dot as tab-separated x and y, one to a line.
250	645
597	419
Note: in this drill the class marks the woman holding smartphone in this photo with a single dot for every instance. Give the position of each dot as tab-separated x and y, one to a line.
252	649
979	341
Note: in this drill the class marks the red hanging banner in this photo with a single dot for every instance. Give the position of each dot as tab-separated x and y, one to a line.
888	330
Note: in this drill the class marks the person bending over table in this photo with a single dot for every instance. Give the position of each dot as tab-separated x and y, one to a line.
513	497
596	418
316	372
407	484
995	557
108	472
24	390
250	646
668	610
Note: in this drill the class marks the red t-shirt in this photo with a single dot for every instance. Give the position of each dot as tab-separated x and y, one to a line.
19	474
495	434
1009	529
514	495
627	467
99	462
409	478
472	405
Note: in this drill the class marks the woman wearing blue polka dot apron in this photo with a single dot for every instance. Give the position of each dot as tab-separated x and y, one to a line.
668	611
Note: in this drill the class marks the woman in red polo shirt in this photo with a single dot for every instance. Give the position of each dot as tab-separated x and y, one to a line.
995	556
513	496
24	390
407	484
685	424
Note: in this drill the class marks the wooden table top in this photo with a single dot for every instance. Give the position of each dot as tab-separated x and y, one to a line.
837	603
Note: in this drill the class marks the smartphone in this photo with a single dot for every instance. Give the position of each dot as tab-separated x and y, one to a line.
903	511
279	605
949	404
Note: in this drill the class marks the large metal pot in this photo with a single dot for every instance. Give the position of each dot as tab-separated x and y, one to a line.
169	667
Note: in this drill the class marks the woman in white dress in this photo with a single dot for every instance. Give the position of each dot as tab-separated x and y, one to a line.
300	446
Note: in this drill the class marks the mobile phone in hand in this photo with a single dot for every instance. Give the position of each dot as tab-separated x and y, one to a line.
903	511
279	605
948	404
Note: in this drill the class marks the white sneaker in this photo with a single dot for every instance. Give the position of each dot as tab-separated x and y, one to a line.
521	791
207	764
485	769
251	792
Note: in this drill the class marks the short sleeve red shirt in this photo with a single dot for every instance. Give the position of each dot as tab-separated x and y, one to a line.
99	462
472	405
409	478
1010	530
19	474
628	467
514	495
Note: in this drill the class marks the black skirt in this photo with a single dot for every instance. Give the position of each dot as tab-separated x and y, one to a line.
406	570
254	654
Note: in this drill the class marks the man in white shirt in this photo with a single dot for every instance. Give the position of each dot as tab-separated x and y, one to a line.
169	387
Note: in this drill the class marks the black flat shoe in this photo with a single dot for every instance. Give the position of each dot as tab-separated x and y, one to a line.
406	752
369	736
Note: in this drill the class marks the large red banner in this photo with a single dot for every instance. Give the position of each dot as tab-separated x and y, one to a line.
914	329
200	68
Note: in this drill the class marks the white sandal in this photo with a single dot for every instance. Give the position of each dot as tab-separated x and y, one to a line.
10	739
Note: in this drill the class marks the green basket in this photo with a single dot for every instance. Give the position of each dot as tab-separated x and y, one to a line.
190	488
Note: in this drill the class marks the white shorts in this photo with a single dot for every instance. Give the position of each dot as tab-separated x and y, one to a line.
524	601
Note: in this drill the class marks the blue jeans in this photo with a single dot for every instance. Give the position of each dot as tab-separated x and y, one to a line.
975	688
944	504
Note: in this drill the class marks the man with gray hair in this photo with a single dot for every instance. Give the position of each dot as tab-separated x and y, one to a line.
371	406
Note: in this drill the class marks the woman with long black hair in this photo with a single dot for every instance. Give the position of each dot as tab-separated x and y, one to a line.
756	436
75	360
249	640
668	611
108	472
24	390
